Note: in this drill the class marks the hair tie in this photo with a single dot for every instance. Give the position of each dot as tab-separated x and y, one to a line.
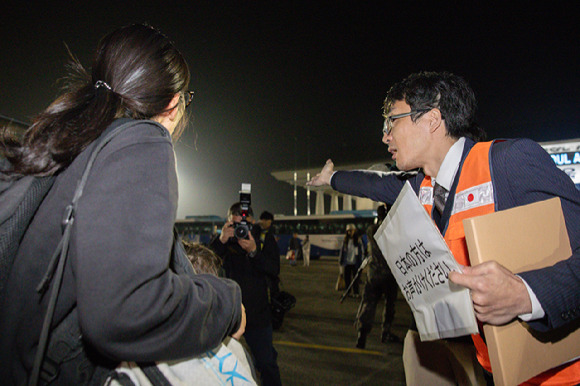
100	83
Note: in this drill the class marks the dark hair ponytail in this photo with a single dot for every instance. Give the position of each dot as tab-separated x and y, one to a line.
135	74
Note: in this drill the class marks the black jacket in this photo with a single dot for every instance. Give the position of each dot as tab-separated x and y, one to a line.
378	266
130	304
250	273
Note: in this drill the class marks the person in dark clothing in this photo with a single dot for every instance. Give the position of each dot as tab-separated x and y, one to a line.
269	247
120	294
351	257
294	249
247	264
380	282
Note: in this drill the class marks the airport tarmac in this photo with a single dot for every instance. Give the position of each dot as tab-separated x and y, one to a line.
316	343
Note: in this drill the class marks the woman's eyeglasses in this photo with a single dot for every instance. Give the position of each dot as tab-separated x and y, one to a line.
188	97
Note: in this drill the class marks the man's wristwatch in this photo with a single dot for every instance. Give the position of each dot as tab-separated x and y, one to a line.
253	253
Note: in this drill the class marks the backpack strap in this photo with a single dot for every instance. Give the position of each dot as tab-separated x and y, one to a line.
57	262
155	376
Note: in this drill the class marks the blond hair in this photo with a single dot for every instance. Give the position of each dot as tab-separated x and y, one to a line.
203	259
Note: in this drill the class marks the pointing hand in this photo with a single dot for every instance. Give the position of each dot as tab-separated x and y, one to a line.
323	178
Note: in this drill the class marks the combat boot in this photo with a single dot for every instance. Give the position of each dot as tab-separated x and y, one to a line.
361	339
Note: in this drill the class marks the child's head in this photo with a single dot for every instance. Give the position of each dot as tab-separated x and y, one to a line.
203	259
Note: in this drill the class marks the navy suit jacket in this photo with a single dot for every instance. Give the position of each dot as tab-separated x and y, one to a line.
522	173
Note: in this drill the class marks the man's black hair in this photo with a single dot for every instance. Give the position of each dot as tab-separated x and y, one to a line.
236	210
266	216
382	211
449	93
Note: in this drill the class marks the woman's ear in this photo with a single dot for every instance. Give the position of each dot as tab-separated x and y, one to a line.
171	116
173	106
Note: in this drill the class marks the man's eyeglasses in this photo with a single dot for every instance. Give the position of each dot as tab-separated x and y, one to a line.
388	126
188	98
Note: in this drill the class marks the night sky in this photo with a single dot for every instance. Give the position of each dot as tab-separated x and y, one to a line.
283	84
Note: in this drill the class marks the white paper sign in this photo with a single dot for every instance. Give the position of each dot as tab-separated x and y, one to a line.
420	260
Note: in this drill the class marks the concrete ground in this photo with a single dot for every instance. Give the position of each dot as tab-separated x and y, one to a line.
316	343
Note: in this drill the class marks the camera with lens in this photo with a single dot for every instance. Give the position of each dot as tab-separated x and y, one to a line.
242	229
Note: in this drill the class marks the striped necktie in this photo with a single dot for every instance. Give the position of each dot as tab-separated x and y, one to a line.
439	197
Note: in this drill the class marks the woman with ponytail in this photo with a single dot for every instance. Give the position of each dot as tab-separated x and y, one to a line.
127	301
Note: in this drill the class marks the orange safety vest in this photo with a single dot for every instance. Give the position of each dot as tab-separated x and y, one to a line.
474	197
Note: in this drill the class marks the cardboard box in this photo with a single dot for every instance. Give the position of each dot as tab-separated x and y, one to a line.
521	239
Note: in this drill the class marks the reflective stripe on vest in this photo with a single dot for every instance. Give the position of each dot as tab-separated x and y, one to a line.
474	197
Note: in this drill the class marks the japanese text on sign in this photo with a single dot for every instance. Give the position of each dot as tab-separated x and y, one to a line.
431	276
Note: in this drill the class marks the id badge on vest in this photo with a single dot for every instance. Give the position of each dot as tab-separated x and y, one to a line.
421	261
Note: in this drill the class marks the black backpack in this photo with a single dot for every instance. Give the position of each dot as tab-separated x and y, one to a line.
281	304
20	200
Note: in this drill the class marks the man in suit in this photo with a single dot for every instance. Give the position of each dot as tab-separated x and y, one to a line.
430	126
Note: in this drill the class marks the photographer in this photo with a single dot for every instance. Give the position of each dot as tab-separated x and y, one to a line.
245	263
